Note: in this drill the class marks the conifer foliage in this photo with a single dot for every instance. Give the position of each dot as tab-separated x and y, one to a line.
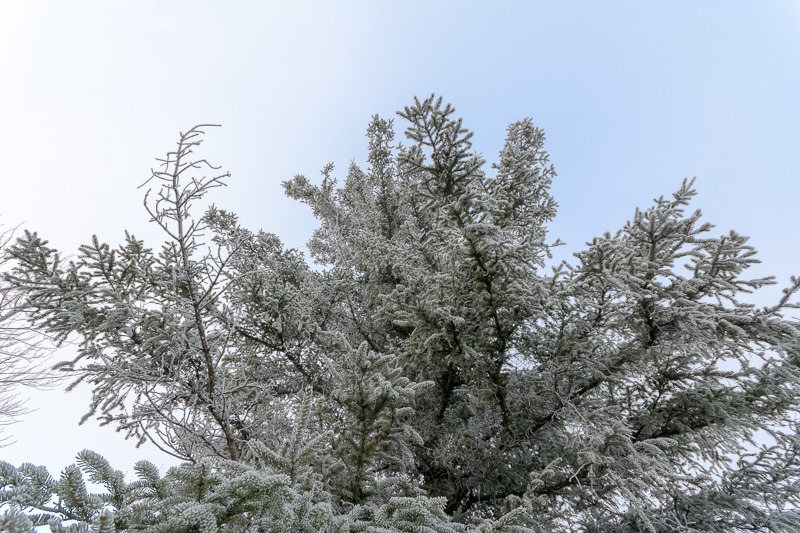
430	373
22	351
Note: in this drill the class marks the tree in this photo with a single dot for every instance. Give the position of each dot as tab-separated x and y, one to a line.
430	371
22	351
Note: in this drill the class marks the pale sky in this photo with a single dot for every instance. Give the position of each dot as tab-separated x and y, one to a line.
634	96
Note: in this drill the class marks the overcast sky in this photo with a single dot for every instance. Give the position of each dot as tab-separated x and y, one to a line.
634	97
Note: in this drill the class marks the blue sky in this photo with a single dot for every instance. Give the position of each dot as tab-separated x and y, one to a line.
634	96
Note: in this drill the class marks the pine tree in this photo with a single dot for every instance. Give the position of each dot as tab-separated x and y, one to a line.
430	372
22	350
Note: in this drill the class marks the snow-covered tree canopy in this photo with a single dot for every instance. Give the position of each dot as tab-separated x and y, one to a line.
430	373
22	352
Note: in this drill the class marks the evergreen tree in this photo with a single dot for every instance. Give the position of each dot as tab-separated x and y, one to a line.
22	351
429	373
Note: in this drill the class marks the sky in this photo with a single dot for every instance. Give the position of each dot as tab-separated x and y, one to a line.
634	97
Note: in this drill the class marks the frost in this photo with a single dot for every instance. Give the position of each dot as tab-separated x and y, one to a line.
427	373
